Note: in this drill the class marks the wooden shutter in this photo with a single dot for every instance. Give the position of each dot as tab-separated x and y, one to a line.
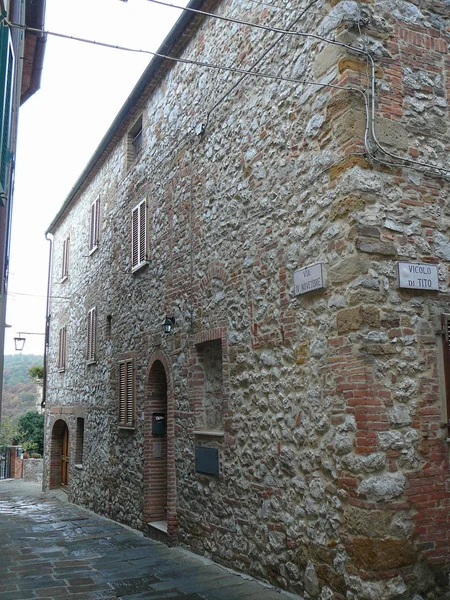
143	232
445	321
122	398
126	393
139	235
91	335
65	259
6	101
62	349
94	229
130	393
135	238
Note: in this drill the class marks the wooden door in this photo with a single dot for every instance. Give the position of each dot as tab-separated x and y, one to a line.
65	452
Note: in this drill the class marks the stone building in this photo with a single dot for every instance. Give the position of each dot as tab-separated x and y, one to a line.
278	197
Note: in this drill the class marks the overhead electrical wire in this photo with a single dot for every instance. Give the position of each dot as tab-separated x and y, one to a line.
371	114
369	57
215	66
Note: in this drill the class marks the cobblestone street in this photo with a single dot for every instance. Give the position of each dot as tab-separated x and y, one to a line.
52	549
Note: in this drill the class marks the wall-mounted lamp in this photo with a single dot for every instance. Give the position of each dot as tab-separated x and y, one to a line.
168	324
19	342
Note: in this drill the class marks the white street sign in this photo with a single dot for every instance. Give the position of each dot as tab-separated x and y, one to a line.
308	279
418	276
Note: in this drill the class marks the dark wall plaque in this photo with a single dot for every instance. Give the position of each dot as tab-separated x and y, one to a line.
207	460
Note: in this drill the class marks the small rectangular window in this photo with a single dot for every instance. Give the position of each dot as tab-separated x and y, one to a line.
80	442
94	225
91	335
139	235
62	349
126	393
135	141
65	260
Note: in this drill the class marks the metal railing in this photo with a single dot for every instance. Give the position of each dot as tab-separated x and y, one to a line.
5	462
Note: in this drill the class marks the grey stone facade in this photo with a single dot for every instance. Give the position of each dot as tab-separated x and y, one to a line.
324	409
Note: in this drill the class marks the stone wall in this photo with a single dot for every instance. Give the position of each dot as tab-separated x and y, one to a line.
32	469
326	409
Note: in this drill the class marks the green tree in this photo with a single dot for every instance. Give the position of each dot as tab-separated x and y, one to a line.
9	431
36	372
31	428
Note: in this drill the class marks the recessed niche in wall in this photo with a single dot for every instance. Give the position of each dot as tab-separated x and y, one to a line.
208	381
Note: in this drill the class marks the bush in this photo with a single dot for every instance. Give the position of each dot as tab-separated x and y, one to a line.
36	372
31	431
9	431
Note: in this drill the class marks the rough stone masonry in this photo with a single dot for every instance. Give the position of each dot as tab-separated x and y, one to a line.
306	438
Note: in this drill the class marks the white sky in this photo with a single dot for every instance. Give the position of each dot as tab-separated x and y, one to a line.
83	87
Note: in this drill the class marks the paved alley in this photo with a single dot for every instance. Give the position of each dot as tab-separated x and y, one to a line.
51	549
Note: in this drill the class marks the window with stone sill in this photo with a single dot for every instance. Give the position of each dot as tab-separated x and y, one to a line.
126	393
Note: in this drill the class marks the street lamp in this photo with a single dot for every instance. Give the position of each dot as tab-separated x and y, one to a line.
19	340
168	324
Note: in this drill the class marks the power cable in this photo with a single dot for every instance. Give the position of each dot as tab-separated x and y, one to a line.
416	164
439	169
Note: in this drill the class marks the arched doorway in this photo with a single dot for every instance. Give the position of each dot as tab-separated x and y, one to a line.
156	447
59	455
159	465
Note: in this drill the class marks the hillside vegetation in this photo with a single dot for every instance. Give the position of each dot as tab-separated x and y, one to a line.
19	391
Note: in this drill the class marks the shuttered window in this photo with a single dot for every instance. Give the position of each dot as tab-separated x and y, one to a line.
445	321
91	335
65	260
126	393
94	225
7	78
139	236
62	349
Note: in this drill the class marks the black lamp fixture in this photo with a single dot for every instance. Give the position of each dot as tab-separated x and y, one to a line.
168	324
19	342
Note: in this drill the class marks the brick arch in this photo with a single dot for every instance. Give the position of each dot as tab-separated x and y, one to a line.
215	271
60	423
159	397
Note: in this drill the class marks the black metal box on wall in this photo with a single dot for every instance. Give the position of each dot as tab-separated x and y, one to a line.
207	460
159	423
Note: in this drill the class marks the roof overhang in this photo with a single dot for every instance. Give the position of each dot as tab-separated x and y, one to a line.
34	50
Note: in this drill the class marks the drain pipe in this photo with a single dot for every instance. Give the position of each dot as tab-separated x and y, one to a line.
47	322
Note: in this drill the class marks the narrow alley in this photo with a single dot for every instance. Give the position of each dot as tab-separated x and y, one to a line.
52	549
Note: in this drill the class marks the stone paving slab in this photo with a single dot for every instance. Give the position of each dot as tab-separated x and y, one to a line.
52	550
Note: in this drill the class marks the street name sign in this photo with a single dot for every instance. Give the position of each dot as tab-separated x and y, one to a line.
418	276
308	279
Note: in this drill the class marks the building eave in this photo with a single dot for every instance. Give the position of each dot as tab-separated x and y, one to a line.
34	49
